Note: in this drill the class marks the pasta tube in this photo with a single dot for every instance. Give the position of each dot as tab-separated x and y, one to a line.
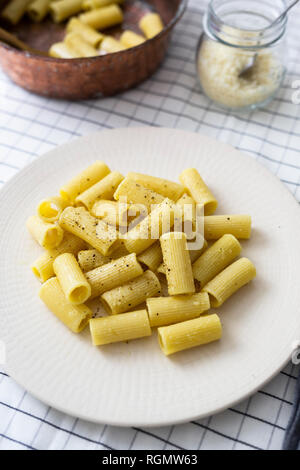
69	244
188	207
152	257
50	209
63	9
151	24
98	234
72	280
102	18
38	9
77	42
117	328
42	268
84	180
113	213
75	317
134	193
178	263
47	235
131	294
109	45
216	258
227	282
91	259
131	39
87	33
60	50
92	4
113	274
119	251
14	10
215	226
167	188
196	187
191	221
159	221
194	254
168	310
189	334
104	189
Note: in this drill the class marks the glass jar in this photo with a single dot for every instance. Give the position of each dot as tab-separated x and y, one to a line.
238	34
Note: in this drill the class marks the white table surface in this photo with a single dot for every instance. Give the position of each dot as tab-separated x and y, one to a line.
31	125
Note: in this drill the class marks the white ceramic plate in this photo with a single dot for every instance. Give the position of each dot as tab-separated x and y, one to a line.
135	384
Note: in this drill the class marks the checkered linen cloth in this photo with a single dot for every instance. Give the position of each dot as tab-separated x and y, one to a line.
31	125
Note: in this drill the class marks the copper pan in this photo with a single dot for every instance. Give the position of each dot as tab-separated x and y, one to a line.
83	78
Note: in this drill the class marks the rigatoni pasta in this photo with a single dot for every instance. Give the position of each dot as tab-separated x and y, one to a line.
14	10
102	18
106	236
38	9
75	317
117	328
131	294
60	50
113	274
63	9
189	334
178	263
115	213
215	226
152	257
151	24
159	221
47	235
167	188
72	281
91	259
194	255
109	45
229	281
89	34
77	42
50	209
134	193
169	310
83	38
189	214
216	258
70	244
80	222
92	4
104	189
131	39
84	180
42	268
196	187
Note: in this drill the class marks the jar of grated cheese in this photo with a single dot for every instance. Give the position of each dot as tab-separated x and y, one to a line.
238	34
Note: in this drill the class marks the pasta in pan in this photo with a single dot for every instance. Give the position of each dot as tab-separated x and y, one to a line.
85	31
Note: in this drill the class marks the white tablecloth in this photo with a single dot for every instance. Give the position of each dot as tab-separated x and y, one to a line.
31	125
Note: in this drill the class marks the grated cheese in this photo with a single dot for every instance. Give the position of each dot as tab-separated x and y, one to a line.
219	67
